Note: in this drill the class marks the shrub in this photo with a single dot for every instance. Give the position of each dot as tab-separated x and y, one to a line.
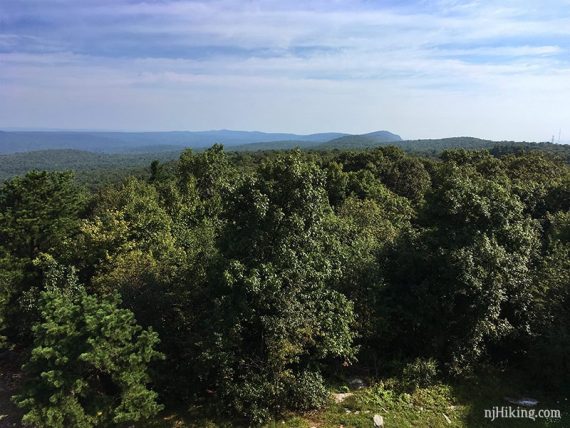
89	363
420	373
308	391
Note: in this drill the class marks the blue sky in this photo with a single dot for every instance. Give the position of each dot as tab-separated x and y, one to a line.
492	69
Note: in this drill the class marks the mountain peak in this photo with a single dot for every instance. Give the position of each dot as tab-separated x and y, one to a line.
386	135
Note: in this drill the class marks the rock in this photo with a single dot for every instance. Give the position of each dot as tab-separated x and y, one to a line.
378	421
340	397
525	402
356	383
446	418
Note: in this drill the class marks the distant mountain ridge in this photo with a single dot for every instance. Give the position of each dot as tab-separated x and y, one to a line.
127	142
158	143
362	141
348	140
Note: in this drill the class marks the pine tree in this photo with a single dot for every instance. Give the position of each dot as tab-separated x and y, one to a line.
89	363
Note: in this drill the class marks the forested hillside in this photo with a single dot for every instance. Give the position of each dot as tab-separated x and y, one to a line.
96	168
247	287
91	168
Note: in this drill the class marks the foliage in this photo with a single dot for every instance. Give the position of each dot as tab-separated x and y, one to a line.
210	173
269	275
420	373
89	362
275	317
91	169
39	212
550	350
462	281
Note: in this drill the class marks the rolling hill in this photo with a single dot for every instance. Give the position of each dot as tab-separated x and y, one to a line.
93	162
422	146
89	166
345	141
371	139
141	142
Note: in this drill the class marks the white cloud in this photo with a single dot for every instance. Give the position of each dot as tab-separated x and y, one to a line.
442	68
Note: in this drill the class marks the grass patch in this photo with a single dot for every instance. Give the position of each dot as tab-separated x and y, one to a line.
458	405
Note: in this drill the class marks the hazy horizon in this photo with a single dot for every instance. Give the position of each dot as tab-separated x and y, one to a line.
420	69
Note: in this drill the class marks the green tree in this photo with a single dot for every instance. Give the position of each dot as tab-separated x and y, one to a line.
404	175
336	184
462	283
150	243
39	212
276	319
365	227
212	175
534	177
11	274
549	354
88	366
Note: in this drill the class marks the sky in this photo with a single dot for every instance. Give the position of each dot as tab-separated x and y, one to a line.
419	68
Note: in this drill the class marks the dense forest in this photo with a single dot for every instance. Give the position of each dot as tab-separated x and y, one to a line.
95	168
91	168
248	284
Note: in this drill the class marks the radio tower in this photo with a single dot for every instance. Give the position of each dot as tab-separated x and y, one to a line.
559	134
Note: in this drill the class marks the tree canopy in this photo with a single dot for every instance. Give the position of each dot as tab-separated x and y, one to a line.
267	275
